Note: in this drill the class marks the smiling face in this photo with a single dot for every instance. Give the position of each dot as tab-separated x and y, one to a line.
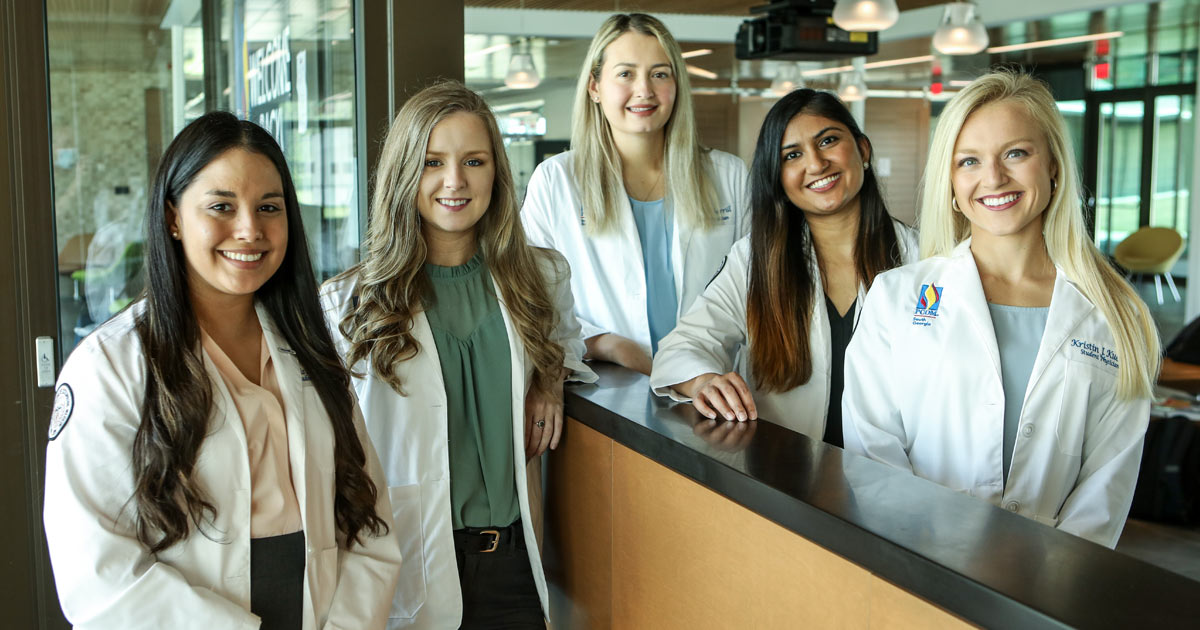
821	165
636	86
232	223
456	183
1001	172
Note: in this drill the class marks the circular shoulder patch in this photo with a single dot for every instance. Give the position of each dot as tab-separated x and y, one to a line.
64	404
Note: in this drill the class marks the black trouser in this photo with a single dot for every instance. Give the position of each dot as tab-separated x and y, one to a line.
497	587
277	581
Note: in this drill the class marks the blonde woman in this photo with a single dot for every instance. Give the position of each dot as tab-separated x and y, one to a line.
460	335
1012	363
642	212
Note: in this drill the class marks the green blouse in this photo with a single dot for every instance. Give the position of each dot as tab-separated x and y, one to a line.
472	344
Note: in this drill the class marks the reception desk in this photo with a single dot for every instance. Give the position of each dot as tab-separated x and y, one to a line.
659	518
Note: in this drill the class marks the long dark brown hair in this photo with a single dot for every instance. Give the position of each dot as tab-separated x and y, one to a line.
779	304
178	401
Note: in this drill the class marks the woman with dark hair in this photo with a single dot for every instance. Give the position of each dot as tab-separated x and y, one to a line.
217	470
820	232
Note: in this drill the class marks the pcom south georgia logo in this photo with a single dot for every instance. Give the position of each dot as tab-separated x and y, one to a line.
929	298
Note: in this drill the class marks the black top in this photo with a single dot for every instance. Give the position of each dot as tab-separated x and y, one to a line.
840	329
985	564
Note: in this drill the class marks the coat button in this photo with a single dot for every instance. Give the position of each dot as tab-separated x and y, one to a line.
1012	506
1027	430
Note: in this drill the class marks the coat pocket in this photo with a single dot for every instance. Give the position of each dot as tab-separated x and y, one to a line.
1086	388
406	517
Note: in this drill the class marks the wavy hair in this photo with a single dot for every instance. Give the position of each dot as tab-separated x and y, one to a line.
392	285
178	397
1067	242
596	165
779	304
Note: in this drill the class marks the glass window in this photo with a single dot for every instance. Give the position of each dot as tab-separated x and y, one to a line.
1119	177
126	77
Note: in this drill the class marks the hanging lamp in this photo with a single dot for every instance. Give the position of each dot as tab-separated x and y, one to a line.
865	15
960	32
787	78
852	87
522	74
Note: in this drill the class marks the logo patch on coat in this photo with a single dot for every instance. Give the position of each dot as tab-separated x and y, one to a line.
929	298
64	404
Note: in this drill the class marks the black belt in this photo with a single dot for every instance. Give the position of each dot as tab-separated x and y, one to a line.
489	539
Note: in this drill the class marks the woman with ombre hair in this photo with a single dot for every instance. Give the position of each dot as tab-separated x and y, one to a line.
459	335
791	290
640	209
1012	363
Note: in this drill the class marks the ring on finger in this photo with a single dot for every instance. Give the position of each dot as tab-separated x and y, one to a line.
540	424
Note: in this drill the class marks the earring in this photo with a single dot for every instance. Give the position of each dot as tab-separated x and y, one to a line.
175	234
595	99
954	202
1053	185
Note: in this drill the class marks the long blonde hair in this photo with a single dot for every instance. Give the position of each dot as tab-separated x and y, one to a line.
392	284
1067	242
596	166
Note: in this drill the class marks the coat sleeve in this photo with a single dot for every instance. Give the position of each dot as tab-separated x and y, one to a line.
707	336
367	572
105	577
1097	506
540	206
871	422
567	332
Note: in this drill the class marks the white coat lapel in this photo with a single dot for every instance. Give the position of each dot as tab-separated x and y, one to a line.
1068	307
290	377
971	302
629	234
681	240
224	411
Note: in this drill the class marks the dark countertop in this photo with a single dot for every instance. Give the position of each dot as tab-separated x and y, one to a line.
988	566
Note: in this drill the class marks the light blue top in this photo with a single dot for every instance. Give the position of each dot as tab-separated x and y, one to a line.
655	229
1018	334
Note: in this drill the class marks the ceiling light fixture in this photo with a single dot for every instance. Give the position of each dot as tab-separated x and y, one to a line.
483	52
786	80
522	74
1063	41
960	32
701	72
697	53
852	87
865	15
870	66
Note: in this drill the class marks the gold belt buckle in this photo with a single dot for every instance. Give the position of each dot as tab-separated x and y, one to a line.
495	534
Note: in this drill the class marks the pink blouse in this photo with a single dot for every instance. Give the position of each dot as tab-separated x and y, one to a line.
274	510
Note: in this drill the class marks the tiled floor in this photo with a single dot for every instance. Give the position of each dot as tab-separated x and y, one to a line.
1170	547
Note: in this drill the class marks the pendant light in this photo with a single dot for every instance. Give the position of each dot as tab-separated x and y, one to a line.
787	78
960	32
522	74
865	15
852	86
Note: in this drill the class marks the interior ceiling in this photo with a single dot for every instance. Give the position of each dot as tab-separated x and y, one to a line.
697	7
97	34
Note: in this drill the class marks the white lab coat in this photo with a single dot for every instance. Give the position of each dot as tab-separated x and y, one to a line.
410	433
710	335
608	277
923	393
107	579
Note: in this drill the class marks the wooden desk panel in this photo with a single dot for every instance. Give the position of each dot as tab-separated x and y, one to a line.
683	556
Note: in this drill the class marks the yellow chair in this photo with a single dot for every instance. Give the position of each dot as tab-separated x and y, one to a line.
1151	250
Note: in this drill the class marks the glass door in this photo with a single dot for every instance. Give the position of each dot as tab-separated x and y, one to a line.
1118	185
